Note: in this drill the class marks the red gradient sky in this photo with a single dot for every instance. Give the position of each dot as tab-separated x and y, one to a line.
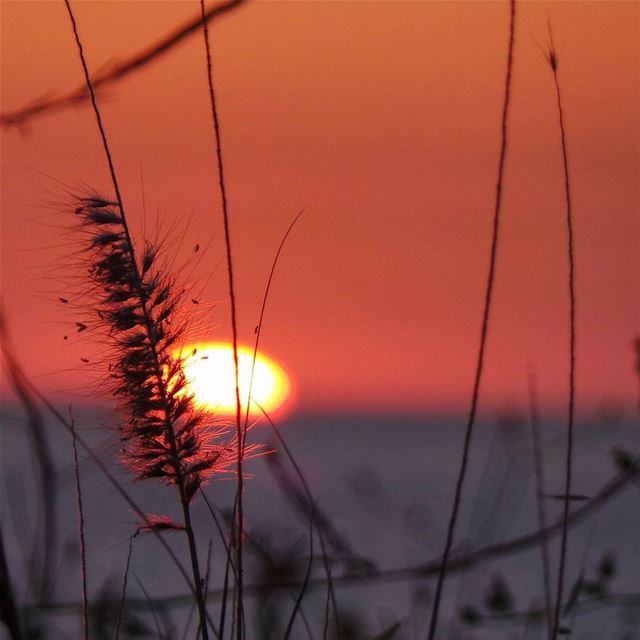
382	119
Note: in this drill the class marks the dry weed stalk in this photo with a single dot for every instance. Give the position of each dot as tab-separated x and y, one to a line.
540	491
238	528
483	333
81	536
552	58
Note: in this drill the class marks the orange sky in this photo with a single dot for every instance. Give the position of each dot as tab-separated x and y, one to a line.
382	119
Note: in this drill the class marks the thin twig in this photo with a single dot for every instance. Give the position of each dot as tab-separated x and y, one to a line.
83	549
484	332
553	63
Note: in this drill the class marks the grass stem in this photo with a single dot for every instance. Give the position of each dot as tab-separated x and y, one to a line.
239	527
83	548
553	63
125	581
484	332
238	541
8	609
540	490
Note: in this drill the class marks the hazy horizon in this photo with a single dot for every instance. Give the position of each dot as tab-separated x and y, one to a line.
382	121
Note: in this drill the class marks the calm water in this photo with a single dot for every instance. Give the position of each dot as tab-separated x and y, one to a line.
385	484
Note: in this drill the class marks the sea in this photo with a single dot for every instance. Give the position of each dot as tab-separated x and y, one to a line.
364	499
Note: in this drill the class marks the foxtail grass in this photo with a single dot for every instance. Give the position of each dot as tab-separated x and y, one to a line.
483	333
552	58
163	436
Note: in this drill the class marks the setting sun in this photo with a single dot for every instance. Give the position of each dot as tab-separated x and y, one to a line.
209	370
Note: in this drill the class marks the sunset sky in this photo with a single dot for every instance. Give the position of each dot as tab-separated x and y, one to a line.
381	119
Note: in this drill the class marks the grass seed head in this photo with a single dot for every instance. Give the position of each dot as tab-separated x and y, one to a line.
138	302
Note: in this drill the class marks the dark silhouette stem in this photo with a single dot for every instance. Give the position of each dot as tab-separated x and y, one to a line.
83	548
540	489
263	309
234	330
277	432
483	336
553	61
331	599
125	581
48	486
8	609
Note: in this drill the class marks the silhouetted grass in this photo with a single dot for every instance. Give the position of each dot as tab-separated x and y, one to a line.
125	582
466	447
8	610
540	490
83	548
136	297
553	64
239	525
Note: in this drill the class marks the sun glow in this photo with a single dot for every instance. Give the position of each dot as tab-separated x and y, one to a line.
210	373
